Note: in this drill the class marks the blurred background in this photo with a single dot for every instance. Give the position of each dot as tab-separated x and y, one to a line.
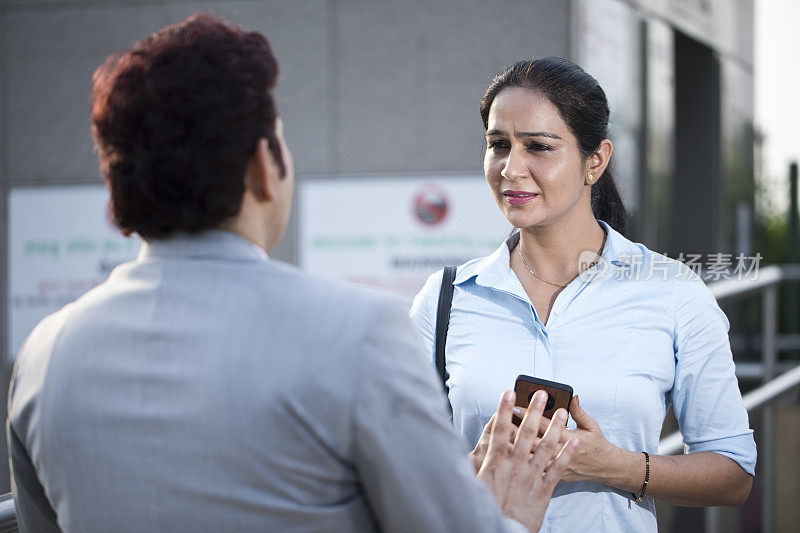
380	104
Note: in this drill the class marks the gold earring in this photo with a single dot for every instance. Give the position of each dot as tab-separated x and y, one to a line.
591	177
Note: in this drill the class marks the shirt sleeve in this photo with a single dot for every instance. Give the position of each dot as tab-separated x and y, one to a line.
705	395
415	474
423	314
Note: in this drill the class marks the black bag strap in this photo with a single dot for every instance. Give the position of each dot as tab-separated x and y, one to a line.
443	321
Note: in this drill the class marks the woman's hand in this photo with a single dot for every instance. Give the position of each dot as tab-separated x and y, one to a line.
478	454
695	479
593	459
594	456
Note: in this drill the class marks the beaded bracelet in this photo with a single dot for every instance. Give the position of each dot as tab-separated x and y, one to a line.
646	478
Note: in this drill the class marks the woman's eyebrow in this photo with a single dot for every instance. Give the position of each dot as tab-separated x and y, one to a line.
547	134
538	134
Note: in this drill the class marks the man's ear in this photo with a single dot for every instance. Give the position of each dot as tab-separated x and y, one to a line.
262	173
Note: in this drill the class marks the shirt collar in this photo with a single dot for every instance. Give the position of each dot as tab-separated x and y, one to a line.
495	270
217	244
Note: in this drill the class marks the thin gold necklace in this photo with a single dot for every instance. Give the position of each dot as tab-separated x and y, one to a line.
593	263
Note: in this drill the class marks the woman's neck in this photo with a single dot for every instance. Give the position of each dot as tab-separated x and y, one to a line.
554	251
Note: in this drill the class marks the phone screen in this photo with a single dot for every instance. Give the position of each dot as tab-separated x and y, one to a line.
559	395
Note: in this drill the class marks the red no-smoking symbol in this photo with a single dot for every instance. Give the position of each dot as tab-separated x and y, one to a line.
431	205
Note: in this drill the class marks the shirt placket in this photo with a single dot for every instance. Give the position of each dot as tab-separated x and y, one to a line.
543	359
560	306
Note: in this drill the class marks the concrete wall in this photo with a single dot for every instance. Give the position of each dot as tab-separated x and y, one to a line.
365	86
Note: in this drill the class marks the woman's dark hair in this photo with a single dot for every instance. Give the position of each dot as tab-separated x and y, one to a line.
583	107
176	119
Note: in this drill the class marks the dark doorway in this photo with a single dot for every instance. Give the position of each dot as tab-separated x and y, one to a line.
696	196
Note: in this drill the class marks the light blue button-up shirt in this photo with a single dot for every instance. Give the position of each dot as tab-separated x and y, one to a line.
631	335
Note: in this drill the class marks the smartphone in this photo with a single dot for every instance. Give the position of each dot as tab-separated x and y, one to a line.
558	394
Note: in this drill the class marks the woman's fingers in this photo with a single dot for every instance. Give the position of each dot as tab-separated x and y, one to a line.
479	453
519	414
487	429
557	467
483	441
543	425
581	417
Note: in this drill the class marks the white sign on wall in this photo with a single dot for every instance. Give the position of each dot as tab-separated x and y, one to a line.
392	233
60	244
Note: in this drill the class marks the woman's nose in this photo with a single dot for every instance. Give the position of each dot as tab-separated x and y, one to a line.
514	168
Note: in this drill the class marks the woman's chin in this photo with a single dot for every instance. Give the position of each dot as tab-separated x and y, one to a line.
526	220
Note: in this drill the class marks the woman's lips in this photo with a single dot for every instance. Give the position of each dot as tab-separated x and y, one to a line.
519	197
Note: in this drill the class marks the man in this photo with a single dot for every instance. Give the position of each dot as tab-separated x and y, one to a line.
204	387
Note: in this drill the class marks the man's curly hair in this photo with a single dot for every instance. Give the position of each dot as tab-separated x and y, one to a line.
176	119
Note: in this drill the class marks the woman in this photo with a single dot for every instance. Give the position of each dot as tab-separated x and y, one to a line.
630	330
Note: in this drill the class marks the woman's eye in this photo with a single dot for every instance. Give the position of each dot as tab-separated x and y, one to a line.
497	145
538	147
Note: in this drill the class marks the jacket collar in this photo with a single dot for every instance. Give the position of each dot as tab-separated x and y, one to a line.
211	244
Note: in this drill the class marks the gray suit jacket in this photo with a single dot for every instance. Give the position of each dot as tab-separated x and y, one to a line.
205	388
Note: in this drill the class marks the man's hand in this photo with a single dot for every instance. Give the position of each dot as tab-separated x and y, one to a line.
522	481
478	454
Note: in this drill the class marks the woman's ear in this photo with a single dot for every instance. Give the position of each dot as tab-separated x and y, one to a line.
598	161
